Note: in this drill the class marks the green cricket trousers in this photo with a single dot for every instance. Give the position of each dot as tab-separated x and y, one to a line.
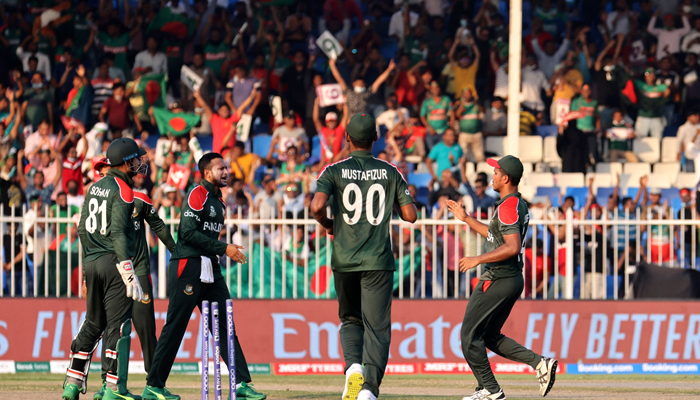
186	293
487	311
364	308
107	309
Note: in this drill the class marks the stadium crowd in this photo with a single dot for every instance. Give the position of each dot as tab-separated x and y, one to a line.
76	75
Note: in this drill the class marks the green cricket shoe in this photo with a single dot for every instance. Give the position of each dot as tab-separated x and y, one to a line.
100	393
155	393
247	391
71	392
115	395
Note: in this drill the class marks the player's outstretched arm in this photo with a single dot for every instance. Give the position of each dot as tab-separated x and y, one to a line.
510	248
318	211
159	228
459	212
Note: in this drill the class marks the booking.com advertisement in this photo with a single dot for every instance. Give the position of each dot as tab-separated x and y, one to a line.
301	336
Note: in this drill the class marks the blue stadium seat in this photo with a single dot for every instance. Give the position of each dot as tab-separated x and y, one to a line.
389	50
670	130
547	130
420	180
152	140
603	194
207	142
670	195
379	145
552	192
423	197
316	146
676	205
259	127
631	192
580	195
261	144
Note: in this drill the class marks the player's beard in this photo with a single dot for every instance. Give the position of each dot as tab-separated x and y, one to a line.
219	178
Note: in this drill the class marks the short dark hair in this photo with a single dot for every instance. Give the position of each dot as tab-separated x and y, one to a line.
205	161
513	180
361	144
567	198
240	145
33	58
482	181
117	85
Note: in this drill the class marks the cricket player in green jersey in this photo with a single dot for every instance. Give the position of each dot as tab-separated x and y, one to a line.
363	192
500	285
144	312
194	275
107	236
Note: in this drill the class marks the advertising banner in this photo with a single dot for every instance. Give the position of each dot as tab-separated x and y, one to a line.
301	336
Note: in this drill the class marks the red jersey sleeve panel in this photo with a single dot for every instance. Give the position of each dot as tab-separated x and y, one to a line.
143	198
197	198
508	211
126	193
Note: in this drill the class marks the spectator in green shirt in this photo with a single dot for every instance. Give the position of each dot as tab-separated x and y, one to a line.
470	114
589	121
651	99
435	114
619	135
37	103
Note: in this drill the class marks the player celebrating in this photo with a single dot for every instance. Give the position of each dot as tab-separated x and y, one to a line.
195	275
364	191
107	236
144	312
500	286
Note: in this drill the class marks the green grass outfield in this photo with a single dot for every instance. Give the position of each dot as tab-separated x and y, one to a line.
433	387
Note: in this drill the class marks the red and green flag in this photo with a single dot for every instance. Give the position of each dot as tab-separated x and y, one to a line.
152	88
73	100
177	124
171	23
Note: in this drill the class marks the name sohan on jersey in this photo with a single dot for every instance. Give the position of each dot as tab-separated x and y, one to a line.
368	175
96	191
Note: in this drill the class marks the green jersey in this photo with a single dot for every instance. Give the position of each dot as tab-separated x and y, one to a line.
469	118
436	112
117	46
144	212
105	221
363	191
589	109
14	37
650	99
214	57
511	217
201	222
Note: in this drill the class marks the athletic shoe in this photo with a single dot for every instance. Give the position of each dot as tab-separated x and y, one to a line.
484	394
100	393
366	395
71	392
546	373
247	391
115	395
354	379
155	393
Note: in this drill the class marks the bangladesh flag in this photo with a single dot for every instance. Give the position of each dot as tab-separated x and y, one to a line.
314	281
152	88
174	24
178	124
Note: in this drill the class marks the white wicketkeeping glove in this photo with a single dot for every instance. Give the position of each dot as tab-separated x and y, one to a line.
133	287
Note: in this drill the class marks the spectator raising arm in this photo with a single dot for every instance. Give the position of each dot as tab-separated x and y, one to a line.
383	77
337	76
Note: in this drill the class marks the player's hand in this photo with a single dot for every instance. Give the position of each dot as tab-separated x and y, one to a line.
233	252
467	263
133	287
457	209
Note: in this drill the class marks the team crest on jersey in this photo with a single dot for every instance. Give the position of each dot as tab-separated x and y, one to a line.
212	211
189	290
146	298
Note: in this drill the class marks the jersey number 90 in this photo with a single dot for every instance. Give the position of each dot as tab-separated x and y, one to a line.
355	207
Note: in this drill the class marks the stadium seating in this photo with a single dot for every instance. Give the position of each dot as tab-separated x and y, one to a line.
635	171
669	149
206	142
600	179
316	146
483	166
552	192
602	195
379	146
685	180
530	148
470	172
612	168
570	179
261	145
671	169
672	195
495	145
420	180
528	168
545	131
659	180
648	149
580	195
550	154
539	179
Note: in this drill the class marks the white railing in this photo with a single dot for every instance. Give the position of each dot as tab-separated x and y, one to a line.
427	252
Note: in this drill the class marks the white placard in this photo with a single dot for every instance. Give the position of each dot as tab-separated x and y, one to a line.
276	105
190	78
330	45
329	94
243	127
562	107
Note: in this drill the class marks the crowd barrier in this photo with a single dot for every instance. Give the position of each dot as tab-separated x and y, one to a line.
291	258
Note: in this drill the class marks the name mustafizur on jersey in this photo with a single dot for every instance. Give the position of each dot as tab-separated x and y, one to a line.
369	175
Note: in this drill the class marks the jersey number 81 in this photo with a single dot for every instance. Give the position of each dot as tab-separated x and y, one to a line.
91	220
355	207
